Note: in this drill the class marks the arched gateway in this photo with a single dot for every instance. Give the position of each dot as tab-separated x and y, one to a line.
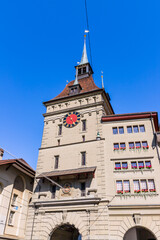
67	232
139	233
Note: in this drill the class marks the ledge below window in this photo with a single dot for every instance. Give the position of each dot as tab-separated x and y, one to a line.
137	194
133	170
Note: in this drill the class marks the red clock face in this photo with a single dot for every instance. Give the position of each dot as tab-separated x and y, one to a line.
71	119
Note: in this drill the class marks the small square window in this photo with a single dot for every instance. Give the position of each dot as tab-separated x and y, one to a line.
83	158
151	185
119	187
141	165
117	166
144	187
83	125
136	186
121	130
129	129
131	145
141	128
126	186
84	69
11	218
53	191
83	189
60	129
145	145
135	129
56	164
115	130
122	146
138	145
116	146
14	199
134	165
124	165
148	164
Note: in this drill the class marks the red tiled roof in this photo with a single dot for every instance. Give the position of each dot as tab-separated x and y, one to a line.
19	161
87	85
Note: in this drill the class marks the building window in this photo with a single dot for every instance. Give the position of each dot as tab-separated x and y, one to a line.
119	187
138	145
11	218
116	146
53	191
141	128
133	165
122	146
83	189
126	186
148	164
56	163
115	130
135	129
129	129
145	145
84	69
60	129
131	145
124	165
83	158
121	130
151	185
79	71
14	199
58	142
117	166
83	138
141	165
144	187
83	125
136	186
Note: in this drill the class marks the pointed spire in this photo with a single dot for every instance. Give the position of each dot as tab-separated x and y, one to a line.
76	80
84	58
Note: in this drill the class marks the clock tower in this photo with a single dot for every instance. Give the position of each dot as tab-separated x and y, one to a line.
70	179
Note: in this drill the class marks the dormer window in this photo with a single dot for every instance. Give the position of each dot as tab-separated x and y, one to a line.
84	69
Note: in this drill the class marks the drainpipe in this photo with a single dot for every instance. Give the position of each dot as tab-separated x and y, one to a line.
155	135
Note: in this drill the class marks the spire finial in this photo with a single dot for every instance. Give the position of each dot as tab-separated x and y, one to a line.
102	79
84	58
76	80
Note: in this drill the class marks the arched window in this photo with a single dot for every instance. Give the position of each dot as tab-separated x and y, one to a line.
19	184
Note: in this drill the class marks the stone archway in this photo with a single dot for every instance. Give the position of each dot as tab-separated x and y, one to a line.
67	232
139	233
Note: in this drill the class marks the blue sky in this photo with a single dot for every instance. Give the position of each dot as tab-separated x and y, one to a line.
41	42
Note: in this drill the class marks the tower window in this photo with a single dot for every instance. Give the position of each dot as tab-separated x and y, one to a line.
83	138
60	129
79	71
11	217
53	191
58	142
84	69
14	199
83	189
83	158
83	125
56	162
